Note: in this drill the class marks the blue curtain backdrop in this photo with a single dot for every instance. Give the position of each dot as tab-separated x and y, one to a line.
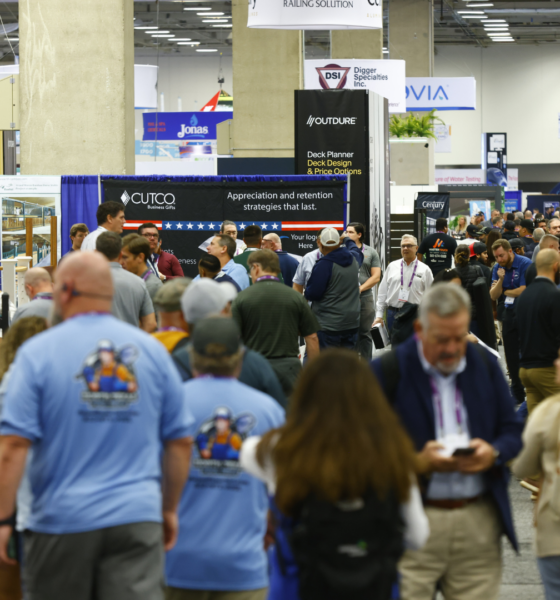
78	203
79	193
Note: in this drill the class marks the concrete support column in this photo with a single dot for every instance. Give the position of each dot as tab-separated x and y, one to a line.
411	35
366	43
76	87
267	67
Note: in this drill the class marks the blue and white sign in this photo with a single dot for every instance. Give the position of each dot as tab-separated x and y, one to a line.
443	93
183	126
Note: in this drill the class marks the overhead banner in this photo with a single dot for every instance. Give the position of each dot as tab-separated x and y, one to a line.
188	213
332	139
460	177
384	77
183	126
315	14
442	93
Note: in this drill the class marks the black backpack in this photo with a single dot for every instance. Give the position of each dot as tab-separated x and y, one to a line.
348	550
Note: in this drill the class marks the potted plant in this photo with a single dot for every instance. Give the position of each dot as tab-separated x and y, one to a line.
411	126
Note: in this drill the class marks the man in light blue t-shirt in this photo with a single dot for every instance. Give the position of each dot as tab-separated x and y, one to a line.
97	400
223	510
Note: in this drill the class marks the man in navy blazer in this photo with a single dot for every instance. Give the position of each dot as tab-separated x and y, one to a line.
450	396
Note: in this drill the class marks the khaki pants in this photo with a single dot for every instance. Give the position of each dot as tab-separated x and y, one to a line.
463	553
539	385
179	594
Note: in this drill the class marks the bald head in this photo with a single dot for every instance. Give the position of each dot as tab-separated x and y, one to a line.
272	241
547	262
549	242
83	284
37	281
538	234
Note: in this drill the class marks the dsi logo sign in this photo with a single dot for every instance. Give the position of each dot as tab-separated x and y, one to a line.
333	77
442	93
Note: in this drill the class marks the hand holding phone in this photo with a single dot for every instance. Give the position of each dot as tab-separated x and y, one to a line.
464	452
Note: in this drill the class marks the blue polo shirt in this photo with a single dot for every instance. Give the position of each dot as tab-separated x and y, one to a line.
514	277
237	272
222	514
97	398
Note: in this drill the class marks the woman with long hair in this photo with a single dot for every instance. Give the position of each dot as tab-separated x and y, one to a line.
492	237
341	446
460	232
20	332
469	273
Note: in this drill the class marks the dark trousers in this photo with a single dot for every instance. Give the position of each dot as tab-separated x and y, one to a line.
510	335
338	339
287	370
391	314
117	563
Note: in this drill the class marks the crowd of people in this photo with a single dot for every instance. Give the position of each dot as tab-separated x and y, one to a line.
236	437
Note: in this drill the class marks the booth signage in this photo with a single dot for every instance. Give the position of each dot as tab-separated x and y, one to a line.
188	213
384	77
460	177
435	205
183	126
332	139
442	93
315	14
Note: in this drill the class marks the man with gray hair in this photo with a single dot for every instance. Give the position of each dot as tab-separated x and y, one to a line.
39	289
454	402
405	280
553	229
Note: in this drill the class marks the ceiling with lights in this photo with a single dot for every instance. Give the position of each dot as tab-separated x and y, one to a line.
199	28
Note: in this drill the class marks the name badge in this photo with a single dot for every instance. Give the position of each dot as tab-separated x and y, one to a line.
403	295
509	301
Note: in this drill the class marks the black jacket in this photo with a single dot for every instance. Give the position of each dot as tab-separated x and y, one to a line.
509	235
469	274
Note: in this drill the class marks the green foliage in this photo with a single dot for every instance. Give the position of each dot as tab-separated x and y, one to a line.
411	126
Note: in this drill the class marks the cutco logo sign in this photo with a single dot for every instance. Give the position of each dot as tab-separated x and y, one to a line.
193	130
155	199
333	77
433	205
331	121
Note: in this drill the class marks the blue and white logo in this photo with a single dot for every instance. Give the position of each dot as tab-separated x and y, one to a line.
442	93
183	125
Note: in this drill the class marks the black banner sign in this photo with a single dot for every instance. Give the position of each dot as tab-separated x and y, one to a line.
435	205
332	139
187	214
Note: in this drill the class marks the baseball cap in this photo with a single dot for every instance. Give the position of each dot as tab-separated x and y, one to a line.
216	337
473	230
203	297
485	230
516	243
480	214
528	224
329	237
479	248
168	297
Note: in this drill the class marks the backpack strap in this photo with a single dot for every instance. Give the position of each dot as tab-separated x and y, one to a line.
391	373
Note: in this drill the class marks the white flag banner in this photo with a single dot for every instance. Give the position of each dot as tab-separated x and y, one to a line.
384	77
315	14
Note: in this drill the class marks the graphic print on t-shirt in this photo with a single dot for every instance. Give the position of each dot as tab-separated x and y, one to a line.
109	377
219	440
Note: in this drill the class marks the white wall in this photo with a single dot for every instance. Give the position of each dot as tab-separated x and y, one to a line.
518	91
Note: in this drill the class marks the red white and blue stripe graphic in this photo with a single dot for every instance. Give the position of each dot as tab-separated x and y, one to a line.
135	223
241	225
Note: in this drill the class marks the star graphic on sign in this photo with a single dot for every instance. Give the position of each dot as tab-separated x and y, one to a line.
211	226
168	226
179	225
242	226
274	226
190	226
264	226
200	226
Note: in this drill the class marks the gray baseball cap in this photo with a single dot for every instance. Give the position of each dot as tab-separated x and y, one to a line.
216	337
204	297
168	297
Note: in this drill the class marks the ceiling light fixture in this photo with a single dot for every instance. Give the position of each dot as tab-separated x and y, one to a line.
9	39
496	21
207	50
211	14
198	8
214	20
145	28
188	43
492	35
385	51
479	5
470	17
222	25
470	12
163	35
182	39
160	31
505	40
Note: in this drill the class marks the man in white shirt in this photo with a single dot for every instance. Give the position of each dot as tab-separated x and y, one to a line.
405	280
110	217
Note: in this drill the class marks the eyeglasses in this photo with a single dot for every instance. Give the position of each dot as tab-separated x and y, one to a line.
405	246
150	235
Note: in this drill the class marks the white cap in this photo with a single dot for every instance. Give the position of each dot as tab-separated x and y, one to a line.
330	237
204	297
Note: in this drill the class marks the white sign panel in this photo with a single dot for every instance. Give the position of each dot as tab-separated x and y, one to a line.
315	14
384	77
145	86
512	179
443	93
460	177
443	141
30	184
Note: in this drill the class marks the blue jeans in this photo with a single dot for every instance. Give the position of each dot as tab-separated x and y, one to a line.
338	339
549	567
